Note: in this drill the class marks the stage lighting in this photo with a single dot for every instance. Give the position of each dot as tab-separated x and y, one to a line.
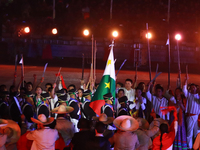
115	34
26	29
149	35
54	31
178	37
86	32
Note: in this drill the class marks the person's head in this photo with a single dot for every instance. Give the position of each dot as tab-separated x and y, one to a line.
50	89
141	85
83	124
71	86
119	85
23	92
193	88
12	89
128	84
159	91
47	86
163	129
120	93
178	92
29	86
3	88
38	90
100	127
138	92
80	92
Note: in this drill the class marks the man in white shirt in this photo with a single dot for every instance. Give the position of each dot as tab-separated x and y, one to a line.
129	91
158	101
192	112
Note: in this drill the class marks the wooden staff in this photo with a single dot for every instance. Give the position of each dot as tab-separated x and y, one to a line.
179	64
91	75
83	64
149	56
95	52
16	58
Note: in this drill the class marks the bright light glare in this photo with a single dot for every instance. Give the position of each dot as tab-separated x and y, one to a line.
86	32
26	29
115	34
178	37
54	31
149	35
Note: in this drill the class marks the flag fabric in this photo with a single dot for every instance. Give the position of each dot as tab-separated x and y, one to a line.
21	61
167	43
107	85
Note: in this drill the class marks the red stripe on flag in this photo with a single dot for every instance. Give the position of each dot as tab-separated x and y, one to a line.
96	106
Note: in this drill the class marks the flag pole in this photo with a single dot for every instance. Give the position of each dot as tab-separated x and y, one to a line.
95	51
22	70
149	56
92	57
169	56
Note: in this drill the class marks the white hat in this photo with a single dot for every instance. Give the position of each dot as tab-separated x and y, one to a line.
103	118
126	123
42	119
62	109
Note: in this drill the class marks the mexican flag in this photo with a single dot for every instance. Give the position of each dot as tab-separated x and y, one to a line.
107	85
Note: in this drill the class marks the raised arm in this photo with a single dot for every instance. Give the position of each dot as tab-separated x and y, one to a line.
185	91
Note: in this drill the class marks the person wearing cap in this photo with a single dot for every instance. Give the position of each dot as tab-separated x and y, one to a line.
125	138
86	111
107	108
3	135
44	137
74	115
123	109
144	133
192	111
63	125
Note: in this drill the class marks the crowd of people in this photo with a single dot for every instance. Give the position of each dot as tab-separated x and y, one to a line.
139	117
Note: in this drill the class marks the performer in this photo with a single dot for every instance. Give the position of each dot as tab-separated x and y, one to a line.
74	115
87	111
166	139
158	101
129	91
179	101
107	108
125	138
123	109
3	135
38	99
139	105
44	137
63	125
192	112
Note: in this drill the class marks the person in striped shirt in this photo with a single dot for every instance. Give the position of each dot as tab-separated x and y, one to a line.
192	111
158	101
